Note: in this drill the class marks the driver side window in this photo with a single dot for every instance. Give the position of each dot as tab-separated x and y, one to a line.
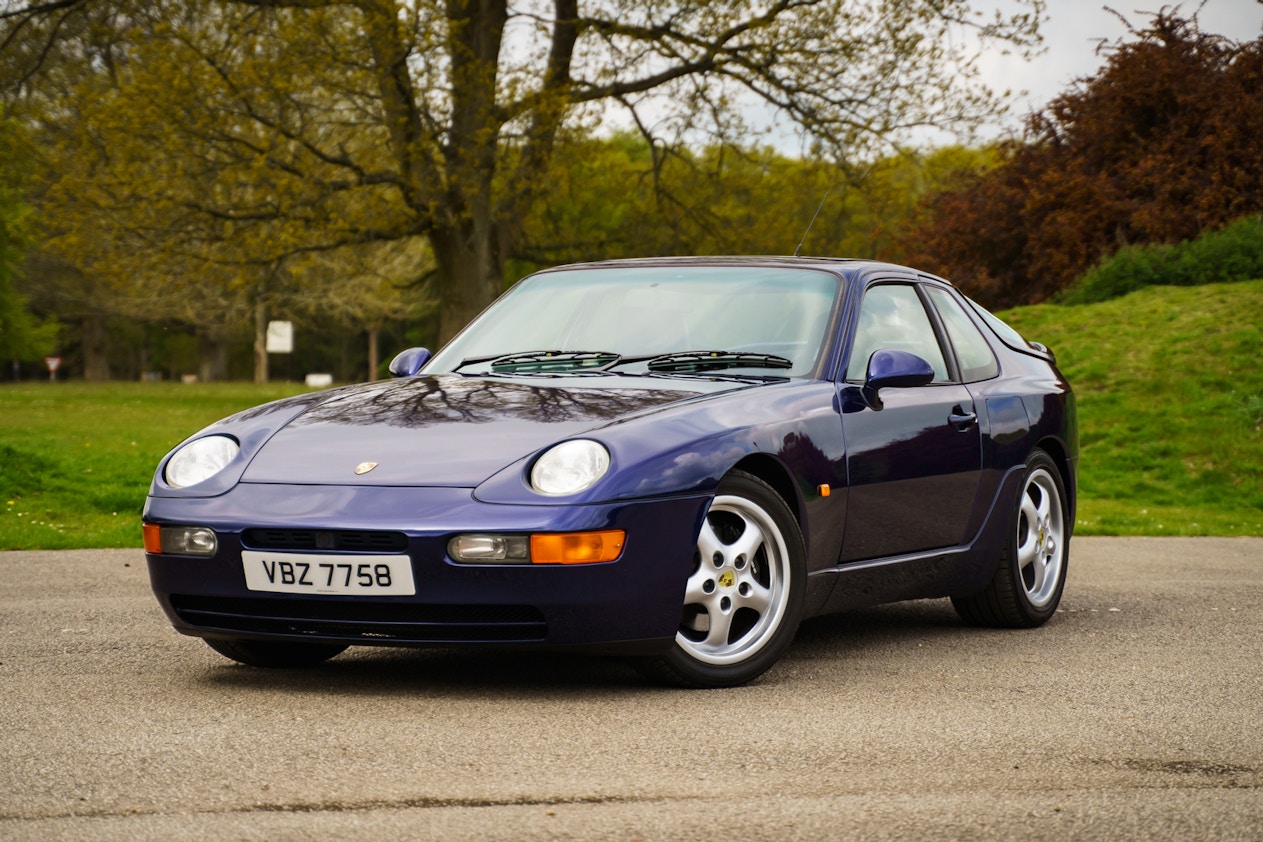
892	317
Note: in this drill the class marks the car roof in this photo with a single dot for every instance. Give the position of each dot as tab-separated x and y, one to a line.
850	268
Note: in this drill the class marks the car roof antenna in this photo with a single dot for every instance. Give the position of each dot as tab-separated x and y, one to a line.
820	207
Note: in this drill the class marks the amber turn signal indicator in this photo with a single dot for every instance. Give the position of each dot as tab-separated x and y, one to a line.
577	547
153	538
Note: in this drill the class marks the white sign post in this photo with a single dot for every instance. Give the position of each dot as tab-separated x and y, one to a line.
280	338
53	364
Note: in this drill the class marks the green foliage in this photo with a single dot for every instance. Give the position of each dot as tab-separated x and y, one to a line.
616	197
198	149
181	196
1168	386
1164	143
1234	253
22	336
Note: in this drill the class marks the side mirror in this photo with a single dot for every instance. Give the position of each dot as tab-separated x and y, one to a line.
409	362
888	368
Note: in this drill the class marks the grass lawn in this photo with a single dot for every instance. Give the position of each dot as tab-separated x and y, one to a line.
76	458
1169	384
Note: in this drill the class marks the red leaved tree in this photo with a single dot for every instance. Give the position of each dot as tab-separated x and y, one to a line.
1163	144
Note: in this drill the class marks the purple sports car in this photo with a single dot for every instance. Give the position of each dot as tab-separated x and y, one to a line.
676	460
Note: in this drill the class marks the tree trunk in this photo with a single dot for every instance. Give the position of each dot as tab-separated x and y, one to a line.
212	358
96	361
470	273
372	353
260	343
344	367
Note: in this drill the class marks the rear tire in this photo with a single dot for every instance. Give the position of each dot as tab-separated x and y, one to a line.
744	599
1027	585
274	655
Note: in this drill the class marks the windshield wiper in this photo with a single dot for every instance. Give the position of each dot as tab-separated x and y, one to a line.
695	361
548	361
681	362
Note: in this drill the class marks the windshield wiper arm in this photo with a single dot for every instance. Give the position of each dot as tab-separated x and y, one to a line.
476	361
693	361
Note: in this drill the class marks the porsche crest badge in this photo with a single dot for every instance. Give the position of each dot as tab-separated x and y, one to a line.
364	467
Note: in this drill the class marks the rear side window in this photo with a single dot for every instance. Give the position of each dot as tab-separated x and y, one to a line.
1010	336
972	351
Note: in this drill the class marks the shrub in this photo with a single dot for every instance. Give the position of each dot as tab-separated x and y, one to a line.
1234	253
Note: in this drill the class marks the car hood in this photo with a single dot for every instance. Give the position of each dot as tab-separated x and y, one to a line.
450	430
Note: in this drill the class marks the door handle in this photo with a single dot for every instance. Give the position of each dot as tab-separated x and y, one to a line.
962	420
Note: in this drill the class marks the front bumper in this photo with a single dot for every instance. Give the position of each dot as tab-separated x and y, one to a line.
632	604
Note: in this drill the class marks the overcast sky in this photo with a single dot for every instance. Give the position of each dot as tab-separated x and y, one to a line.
1073	30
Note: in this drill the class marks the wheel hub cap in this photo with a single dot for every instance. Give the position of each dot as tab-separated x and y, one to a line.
737	595
1039	540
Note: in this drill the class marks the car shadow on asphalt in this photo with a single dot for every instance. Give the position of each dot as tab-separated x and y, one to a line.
881	625
476	671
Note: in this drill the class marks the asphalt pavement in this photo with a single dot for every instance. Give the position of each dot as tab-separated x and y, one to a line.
1136	713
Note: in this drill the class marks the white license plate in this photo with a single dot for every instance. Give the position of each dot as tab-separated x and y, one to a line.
354	575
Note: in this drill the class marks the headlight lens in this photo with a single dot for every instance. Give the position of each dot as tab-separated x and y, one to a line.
200	460
570	467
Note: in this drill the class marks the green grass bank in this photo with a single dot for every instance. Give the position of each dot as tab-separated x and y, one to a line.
76	458
1169	384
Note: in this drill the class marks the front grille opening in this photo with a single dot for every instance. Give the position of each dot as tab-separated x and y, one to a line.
364	622
347	540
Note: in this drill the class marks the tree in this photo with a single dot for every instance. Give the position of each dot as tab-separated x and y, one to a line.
174	216
621	197
441	119
1161	145
22	336
360	288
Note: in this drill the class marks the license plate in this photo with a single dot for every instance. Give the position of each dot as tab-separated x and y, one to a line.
353	575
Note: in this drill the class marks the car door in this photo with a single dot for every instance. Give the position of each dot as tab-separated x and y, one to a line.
914	465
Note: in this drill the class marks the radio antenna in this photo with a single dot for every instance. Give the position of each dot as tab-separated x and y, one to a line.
799	249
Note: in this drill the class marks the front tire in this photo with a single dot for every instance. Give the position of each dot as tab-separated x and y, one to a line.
744	599
276	655
1027	585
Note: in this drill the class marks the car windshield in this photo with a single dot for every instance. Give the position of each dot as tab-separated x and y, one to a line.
680	319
